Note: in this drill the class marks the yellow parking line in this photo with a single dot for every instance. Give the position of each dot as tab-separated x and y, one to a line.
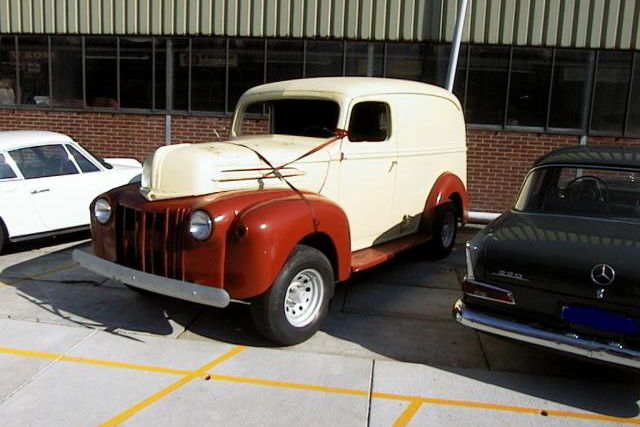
407	414
171	388
202	372
72	359
283	384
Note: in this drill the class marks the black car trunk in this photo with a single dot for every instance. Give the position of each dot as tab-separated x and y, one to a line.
557	254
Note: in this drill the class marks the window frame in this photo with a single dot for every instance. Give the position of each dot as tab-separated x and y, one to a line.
8	160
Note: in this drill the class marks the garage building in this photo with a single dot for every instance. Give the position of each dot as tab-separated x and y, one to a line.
123	77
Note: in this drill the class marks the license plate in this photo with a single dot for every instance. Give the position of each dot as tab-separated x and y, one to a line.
601	319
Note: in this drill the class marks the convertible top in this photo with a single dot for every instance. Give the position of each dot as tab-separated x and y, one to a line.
607	155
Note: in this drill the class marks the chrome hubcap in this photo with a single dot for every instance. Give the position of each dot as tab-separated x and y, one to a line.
448	229
303	298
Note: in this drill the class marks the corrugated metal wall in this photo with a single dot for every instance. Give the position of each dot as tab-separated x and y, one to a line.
609	24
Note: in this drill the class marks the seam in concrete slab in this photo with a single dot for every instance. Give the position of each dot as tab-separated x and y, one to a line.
370	397
49	366
484	353
193	320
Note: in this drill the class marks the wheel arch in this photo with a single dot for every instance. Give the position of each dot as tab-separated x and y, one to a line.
322	242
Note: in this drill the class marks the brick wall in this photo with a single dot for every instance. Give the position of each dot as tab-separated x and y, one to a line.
497	160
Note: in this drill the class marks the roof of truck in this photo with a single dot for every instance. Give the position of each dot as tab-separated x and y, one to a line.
354	87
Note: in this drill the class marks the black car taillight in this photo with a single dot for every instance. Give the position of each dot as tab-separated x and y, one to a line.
487	292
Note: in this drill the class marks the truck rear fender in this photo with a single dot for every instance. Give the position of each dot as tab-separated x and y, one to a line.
262	237
448	187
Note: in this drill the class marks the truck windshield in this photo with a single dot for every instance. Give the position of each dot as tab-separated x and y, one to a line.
594	192
301	117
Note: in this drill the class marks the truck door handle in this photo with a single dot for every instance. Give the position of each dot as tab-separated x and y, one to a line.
42	190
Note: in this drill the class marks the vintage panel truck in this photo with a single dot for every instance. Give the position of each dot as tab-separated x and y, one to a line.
339	175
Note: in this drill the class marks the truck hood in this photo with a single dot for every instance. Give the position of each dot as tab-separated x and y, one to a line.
183	170
557	253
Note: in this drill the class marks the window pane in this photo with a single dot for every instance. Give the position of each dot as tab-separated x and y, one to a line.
160	82
7	70
488	69
180	74
34	71
301	117
406	61
82	161
633	126
570	90
208	74
364	59
246	67
136	72
100	68
529	90
5	170
369	122
67	71
43	161
324	58
612	86
284	60
437	66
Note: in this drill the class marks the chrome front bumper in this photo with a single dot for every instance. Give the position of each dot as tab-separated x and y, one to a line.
569	343
207	295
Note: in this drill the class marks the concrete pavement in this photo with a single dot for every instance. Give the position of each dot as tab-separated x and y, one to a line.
76	349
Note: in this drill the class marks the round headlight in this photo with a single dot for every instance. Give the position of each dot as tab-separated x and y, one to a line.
102	211
200	225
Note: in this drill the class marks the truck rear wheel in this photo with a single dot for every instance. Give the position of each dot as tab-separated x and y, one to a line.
444	230
295	306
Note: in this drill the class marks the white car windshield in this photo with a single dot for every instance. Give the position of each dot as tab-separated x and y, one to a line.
594	192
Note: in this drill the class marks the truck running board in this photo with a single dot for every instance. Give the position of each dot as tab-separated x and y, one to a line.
370	257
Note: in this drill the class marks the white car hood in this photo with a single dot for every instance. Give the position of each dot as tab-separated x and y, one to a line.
194	169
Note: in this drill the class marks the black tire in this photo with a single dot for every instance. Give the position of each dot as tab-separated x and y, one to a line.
445	229
274	312
4	237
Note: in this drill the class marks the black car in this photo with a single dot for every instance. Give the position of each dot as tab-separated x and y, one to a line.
562	268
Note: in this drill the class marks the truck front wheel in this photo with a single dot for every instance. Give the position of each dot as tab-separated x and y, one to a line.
295	306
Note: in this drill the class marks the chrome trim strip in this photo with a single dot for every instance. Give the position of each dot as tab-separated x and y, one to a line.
206	295
612	353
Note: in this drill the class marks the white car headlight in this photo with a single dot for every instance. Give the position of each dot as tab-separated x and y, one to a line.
102	211
200	225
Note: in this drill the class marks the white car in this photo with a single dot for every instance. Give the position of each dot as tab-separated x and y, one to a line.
47	182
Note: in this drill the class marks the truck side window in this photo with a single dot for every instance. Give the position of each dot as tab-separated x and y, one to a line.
369	122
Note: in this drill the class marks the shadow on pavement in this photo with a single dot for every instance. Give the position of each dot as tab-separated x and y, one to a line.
76	297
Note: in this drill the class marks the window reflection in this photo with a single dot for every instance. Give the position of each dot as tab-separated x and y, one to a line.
101	72
66	64
324	58
611	91
571	88
33	56
208	74
364	59
529	90
136	72
488	76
